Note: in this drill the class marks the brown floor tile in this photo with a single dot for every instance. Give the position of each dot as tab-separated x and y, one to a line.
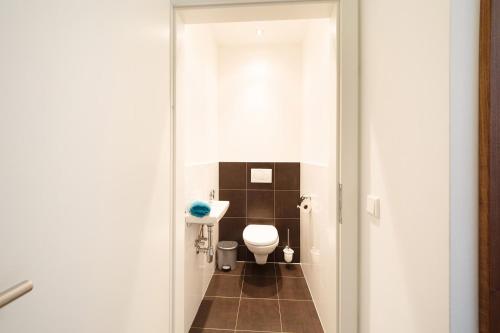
205	330
289	270
293	288
259	315
238	270
217	313
260	270
259	287
300	317
225	285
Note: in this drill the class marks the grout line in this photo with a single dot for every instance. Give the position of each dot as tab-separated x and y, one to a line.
263	299
210	328
278	296
239	302
278	299
256	189
274	223
264	276
246	211
230	330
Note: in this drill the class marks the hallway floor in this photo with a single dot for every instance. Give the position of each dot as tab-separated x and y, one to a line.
253	298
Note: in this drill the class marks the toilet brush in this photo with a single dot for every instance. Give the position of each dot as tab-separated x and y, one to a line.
287	251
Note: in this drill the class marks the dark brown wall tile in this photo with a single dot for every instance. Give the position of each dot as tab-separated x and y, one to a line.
242	253
232	175
260	203
294	225
260	221
272	256
259	186
287	176
251	258
237	202
231	229
286	204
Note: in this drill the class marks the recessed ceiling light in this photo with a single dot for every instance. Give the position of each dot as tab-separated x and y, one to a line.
259	32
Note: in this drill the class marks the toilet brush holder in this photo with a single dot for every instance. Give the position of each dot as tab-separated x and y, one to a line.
288	254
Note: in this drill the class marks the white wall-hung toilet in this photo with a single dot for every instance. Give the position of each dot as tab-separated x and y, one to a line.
261	240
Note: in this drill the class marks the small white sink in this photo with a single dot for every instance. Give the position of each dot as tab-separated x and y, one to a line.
217	211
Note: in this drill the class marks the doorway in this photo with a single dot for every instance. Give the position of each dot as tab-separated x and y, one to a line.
328	244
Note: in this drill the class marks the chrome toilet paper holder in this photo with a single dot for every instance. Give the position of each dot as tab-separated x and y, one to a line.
302	199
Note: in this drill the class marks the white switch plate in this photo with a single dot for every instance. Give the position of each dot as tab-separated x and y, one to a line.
261	175
373	206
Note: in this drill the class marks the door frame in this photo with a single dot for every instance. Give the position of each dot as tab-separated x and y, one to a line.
489	166
348	103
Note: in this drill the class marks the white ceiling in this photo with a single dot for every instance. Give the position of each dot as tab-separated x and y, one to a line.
238	33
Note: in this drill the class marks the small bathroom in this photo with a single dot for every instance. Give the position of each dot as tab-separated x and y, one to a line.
256	137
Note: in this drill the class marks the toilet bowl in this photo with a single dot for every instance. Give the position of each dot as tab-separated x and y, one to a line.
261	240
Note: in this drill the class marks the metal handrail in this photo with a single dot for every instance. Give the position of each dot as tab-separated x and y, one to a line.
15	292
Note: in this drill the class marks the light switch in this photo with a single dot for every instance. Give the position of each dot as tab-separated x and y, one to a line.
373	206
261	175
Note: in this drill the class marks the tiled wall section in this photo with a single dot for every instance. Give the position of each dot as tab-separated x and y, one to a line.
252	203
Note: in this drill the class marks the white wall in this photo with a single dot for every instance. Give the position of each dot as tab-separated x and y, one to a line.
84	145
197	116
318	168
408	122
260	102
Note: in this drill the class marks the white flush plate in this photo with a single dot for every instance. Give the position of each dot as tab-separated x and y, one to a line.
261	175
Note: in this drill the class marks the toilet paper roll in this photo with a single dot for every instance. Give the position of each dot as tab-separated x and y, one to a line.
305	206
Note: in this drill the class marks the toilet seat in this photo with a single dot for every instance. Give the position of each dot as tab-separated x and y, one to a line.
260	235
